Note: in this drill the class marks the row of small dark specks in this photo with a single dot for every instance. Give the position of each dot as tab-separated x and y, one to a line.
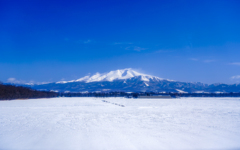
113	103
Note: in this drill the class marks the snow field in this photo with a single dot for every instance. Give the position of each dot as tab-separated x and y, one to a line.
102	123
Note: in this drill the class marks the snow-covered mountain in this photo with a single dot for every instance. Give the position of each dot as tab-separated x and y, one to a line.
114	75
129	80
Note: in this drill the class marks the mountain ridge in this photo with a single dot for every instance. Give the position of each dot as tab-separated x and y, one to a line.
113	75
129	80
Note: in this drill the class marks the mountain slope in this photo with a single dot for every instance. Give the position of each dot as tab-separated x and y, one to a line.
113	75
129	80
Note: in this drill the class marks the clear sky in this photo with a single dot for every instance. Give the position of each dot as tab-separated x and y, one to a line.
43	40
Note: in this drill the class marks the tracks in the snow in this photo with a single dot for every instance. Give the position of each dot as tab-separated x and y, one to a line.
113	103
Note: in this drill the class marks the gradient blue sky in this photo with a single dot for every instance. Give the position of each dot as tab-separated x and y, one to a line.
42	40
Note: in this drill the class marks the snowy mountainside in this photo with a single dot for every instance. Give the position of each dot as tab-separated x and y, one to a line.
129	80
114	75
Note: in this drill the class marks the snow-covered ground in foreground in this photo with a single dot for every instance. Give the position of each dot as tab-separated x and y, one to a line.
100	123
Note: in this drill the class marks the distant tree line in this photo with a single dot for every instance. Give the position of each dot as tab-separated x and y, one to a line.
136	94
8	92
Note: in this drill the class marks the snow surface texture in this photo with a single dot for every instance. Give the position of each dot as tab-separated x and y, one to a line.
114	75
120	124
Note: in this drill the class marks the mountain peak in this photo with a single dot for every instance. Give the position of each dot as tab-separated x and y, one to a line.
119	74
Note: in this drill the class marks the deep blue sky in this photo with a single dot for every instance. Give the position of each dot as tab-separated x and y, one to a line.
43	40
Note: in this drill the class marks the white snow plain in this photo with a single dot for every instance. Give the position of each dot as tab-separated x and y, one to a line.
120	124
